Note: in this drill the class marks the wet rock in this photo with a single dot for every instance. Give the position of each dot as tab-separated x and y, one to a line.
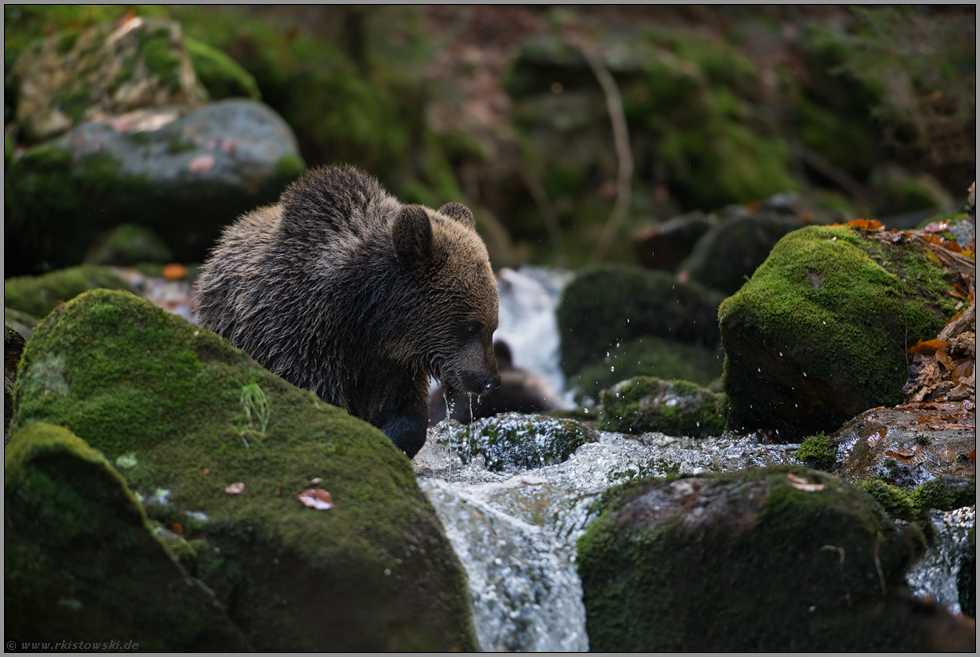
665	245
676	408
82	563
112	68
648	356
38	295
129	244
943	569
184	174
909	445
818	334
613	305
185	416
519	392
966	582
512	440
781	558
731	251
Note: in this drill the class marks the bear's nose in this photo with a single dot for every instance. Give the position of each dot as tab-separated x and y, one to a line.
491	384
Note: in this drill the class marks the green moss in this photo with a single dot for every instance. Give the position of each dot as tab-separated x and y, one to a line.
601	308
893	500
220	74
38	295
82	562
513	440
676	408
951	218
159	53
49	201
288	167
176	146
824	323
169	393
129	244
656	579
818	452
648	356
943	494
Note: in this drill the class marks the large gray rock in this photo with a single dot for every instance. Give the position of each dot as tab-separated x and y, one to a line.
182	173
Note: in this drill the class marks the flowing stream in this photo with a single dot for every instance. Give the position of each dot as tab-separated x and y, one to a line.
515	531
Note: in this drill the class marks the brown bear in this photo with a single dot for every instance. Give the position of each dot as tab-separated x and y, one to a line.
342	290
519	392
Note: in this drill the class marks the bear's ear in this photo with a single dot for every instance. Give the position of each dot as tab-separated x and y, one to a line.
460	213
412	236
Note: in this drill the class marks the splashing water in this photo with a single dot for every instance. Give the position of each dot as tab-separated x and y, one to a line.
936	572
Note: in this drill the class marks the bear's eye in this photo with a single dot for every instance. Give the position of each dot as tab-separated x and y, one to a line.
472	330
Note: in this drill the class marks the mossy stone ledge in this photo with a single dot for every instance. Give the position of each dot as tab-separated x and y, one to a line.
163	399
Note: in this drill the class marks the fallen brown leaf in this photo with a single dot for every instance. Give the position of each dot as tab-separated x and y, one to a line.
236	488
800	483
316	498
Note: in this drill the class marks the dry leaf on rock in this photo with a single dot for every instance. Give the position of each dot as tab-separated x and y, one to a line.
316	498
800	483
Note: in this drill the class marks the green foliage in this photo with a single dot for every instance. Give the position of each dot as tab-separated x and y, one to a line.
38	295
943	494
818	452
255	403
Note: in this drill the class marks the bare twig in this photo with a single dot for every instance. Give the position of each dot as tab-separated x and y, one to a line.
614	103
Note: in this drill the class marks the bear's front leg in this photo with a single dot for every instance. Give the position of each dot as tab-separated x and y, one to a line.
406	428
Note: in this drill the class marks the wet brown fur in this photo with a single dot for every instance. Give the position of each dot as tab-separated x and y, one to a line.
343	290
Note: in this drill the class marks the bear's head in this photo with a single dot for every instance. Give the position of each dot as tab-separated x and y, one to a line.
451	309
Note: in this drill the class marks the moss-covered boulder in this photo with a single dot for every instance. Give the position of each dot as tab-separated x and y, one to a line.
185	416
38	295
81	561
765	559
509	441
601	308
676	408
129	244
21	322
666	245
730	252
108	69
649	356
184	173
820	331
220	74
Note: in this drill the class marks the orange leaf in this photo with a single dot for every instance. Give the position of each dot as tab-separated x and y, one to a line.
867	224
235	489
177	529
927	346
973	455
316	498
174	272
